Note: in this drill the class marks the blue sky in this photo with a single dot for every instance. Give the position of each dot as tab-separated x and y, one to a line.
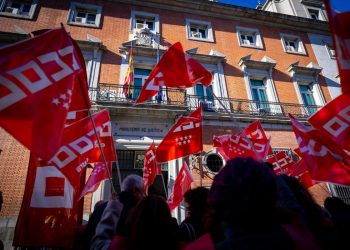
342	5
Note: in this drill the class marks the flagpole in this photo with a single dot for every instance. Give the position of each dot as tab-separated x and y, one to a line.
201	168
236	124
102	153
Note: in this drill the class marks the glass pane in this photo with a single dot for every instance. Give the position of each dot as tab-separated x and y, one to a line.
135	91
26	8
200	92
262	95
91	18
150	25
203	33
81	14
256	83
255	94
142	72
209	93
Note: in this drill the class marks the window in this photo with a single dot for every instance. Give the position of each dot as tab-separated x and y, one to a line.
292	44
213	161
199	30
144	20
23	9
315	14
248	37
140	77
331	50
307	96
84	14
204	94
259	95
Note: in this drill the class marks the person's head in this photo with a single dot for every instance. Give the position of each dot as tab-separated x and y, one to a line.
150	224
244	190
133	184
196	200
335	204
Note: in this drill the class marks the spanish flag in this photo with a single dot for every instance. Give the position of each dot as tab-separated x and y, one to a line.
129	77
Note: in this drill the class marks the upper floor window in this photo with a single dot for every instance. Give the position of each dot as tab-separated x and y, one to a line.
17	8
315	14
248	37
84	14
331	50
199	30
144	20
307	96
292	44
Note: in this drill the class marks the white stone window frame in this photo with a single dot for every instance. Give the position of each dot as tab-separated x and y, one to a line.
249	31
328	48
90	7
30	15
297	39
209	30
299	79
218	85
321	16
135	13
266	77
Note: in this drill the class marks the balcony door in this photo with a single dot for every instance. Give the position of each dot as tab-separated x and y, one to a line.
259	95
308	98
204	95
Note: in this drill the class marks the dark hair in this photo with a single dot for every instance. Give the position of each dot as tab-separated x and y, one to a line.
151	225
197	200
243	191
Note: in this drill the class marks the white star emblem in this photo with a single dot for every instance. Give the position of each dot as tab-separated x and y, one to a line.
63	96
56	101
69	92
65	105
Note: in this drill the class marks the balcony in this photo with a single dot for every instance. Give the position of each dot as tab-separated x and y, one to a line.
111	95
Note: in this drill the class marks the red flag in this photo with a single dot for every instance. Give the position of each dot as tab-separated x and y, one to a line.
183	139
174	70
98	174
182	184
325	161
282	163
48	215
56	184
339	25
40	80
150	169
231	146
333	120
256	131
129	76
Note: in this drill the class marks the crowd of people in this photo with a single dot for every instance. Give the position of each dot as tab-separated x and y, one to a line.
247	207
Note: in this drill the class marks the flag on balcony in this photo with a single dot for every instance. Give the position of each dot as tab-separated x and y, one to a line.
333	121
182	184
41	79
339	20
150	169
129	77
176	71
183	139
325	161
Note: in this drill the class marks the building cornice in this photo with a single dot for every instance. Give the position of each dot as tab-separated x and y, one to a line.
238	13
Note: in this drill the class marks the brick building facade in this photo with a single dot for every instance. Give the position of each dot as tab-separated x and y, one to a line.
263	67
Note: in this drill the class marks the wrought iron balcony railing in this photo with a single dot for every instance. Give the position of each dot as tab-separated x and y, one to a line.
113	93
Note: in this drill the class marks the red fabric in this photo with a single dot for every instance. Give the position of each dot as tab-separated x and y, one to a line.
182	184
339	25
325	161
256	131
46	218
333	120
282	163
204	242
183	139
175	71
231	146
129	76
56	216
40	80
98	174
150	169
